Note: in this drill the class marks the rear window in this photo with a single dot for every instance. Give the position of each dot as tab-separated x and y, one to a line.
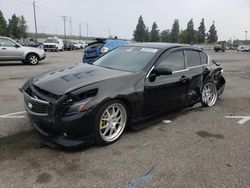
94	45
193	58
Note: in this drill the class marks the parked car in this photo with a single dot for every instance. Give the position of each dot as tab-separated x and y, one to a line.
68	45
77	46
245	48
32	43
10	50
82	44
218	48
99	47
143	81
53	44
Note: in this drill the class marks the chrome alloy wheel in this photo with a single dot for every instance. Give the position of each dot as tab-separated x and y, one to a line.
33	60
209	94
112	122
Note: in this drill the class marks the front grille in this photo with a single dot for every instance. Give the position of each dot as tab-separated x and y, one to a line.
35	105
48	46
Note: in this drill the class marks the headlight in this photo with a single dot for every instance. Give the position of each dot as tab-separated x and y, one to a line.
76	108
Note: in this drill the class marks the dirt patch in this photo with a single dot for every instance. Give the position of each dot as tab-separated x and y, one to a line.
205	134
43	178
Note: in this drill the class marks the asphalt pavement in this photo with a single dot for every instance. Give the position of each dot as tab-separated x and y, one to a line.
201	147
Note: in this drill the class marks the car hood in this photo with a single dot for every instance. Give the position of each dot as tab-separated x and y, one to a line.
64	80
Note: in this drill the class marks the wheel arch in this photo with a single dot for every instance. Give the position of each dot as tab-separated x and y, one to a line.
129	106
30	53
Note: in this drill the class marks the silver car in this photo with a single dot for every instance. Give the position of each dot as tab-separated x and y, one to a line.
10	50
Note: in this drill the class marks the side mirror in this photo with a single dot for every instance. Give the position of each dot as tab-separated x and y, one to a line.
162	71
17	46
215	62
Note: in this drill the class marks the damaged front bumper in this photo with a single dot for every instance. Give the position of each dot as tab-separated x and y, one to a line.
68	132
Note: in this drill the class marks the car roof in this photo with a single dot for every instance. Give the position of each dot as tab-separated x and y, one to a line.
158	45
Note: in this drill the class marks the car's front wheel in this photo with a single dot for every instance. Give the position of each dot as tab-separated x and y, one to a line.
110	122
32	59
209	94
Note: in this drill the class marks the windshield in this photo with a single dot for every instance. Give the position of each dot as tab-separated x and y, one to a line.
50	41
132	59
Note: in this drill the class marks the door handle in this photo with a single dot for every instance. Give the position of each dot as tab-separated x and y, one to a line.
184	79
3	48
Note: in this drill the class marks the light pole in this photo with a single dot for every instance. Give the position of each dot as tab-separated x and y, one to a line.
34	8
87	29
246	35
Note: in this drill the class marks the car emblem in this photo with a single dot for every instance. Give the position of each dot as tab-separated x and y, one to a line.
30	105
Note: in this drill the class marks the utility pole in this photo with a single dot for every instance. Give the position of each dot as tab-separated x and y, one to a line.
64	20
70	26
109	32
246	35
80	30
34	8
87	30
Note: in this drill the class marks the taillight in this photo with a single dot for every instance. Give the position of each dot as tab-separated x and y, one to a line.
104	50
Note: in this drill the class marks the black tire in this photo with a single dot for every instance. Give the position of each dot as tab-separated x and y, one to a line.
32	59
205	96
99	135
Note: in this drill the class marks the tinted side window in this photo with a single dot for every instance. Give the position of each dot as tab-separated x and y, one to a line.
193	58
174	61
203	58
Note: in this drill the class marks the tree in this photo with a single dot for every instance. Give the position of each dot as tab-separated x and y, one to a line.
183	37
140	31
201	32
147	35
13	27
166	36
154	33
212	36
175	31
190	32
23	27
3	25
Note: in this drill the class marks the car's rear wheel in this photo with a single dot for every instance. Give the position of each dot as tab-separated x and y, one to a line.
32	59
110	122
209	94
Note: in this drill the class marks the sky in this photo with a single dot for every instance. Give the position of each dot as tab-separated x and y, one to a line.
119	17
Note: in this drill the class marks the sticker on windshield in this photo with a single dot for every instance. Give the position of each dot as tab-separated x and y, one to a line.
152	50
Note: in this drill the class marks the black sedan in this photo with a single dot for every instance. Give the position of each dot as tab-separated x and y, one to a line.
86	104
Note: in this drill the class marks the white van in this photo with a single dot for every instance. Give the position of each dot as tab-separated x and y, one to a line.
53	44
245	48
